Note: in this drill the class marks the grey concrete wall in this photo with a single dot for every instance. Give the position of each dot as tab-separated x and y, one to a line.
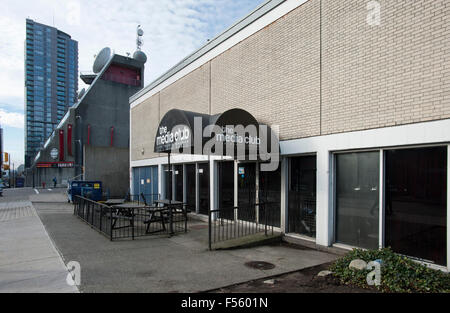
109	165
46	175
105	105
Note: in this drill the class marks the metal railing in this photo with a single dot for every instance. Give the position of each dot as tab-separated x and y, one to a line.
131	222
241	221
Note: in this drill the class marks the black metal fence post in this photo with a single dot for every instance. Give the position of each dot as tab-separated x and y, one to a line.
185	218
132	224
101	217
209	229
170	220
92	213
111	224
265	218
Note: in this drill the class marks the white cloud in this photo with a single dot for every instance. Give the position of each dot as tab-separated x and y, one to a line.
11	119
173	29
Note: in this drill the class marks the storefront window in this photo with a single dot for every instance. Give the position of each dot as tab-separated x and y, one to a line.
416	203
203	177
357	199
302	196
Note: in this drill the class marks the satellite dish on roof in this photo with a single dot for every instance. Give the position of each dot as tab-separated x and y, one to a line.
81	93
140	56
101	60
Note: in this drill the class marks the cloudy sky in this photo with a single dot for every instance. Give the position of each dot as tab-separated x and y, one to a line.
173	29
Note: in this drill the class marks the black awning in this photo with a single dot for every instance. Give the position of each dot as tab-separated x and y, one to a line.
177	129
234	133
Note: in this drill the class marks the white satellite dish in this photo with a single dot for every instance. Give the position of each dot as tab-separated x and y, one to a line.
101	60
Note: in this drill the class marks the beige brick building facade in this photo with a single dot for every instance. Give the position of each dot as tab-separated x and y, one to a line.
321	69
334	80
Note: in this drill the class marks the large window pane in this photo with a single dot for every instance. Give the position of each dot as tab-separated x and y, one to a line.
357	199
416	202
302	196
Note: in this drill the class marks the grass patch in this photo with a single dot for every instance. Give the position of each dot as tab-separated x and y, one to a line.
398	273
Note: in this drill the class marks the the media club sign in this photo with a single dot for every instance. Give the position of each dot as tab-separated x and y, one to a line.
174	138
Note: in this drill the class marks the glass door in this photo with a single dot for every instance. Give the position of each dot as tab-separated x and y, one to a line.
226	189
302	196
357	199
203	178
247	191
167	183
270	197
190	187
178	182
416	203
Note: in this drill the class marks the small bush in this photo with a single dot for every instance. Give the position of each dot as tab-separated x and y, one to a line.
398	273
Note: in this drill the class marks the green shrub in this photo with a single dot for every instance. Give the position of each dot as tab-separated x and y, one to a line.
398	273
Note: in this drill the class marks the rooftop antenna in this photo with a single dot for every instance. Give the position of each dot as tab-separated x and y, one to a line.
139	40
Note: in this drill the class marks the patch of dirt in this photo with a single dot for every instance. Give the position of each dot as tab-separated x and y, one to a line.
303	281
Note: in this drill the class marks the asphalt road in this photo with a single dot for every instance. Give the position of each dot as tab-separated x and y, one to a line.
23	194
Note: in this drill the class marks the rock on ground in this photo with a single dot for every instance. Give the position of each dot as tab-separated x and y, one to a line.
358	264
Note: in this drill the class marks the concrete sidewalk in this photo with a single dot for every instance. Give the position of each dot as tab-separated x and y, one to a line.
28	260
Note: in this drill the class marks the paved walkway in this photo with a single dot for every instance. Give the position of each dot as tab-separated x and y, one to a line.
28	260
160	264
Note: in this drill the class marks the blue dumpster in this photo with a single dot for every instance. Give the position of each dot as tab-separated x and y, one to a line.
87	189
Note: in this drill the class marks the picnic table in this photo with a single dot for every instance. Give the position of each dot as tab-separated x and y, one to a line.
174	207
124	212
166	202
114	201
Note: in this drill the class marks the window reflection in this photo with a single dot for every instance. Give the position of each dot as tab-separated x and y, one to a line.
357	199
